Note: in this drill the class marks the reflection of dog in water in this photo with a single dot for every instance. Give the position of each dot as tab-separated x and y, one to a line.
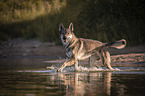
80	84
80	48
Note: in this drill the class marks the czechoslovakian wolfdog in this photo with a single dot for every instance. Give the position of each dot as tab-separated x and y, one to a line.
80	48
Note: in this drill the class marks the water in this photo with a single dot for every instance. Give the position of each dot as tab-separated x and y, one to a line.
29	77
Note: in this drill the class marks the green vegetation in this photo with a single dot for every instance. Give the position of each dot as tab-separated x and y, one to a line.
104	20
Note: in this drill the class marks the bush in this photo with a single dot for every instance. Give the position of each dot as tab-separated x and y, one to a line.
108	20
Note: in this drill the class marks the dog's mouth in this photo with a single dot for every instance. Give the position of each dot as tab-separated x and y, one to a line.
64	39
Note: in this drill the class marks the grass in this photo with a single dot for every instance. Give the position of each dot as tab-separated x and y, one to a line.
104	20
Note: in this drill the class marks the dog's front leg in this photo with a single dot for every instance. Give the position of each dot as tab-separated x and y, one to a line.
67	63
62	67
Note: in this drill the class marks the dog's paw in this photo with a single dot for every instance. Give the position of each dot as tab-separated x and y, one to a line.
59	70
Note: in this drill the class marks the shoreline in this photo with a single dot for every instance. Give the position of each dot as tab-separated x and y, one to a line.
21	48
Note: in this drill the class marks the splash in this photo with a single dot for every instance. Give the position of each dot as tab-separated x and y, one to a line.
53	69
94	69
97	69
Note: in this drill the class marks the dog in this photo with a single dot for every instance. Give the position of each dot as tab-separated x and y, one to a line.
80	48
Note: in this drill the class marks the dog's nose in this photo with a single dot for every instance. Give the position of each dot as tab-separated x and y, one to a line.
64	38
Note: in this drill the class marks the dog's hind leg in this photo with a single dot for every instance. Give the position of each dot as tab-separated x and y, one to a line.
105	56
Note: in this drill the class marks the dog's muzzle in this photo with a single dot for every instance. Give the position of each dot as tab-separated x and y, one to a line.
64	38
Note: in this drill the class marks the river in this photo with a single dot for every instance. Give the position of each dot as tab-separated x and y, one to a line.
29	77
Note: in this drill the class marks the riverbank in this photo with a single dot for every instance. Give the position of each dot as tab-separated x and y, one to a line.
33	48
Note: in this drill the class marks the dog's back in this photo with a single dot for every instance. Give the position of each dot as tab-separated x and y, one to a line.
90	44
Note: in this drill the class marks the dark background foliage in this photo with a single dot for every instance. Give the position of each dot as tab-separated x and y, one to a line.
104	20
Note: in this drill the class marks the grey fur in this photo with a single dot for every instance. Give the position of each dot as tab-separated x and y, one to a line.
80	48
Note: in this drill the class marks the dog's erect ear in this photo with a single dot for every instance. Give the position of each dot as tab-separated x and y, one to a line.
71	27
61	27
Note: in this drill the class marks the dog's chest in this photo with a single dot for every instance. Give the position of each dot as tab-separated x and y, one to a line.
69	52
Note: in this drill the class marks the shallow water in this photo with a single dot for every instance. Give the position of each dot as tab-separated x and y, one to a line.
29	77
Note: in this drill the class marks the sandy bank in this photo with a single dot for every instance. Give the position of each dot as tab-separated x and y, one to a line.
21	47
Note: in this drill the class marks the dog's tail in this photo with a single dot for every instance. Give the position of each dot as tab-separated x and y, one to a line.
117	44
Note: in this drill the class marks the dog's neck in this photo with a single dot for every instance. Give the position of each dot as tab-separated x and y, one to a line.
72	40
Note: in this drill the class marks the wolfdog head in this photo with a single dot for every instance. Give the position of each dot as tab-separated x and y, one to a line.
66	33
